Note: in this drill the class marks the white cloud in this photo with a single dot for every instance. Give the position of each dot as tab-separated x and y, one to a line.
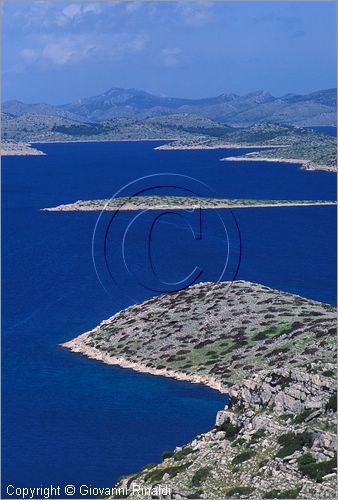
138	43
170	56
196	15
57	53
75	12
61	50
29	54
64	51
72	10
93	8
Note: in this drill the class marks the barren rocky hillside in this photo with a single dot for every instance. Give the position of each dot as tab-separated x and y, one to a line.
273	352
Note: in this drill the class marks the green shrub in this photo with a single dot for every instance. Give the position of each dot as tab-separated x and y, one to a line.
200	476
260	336
239	490
182	453
243	457
229	429
239	442
131	479
328	373
332	403
286	416
273	331
263	463
308	466
290	494
281	380
257	436
157	475
272	494
292	442
286	494
167	454
147	466
81	129
302	416
213	354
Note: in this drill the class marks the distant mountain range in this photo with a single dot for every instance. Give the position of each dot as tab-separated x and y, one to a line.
315	109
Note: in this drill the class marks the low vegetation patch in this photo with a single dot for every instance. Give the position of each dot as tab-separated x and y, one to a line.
273	331
197	494
280	380
243	457
157	475
286	416
292	442
200	476
263	463
229	429
257	436
332	403
286	494
182	453
272	493
239	442
315	470
149	466
239	491
302	416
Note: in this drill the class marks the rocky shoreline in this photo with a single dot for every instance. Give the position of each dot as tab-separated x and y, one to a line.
19	149
312	150
79	345
223	330
182	147
272	352
306	164
277	441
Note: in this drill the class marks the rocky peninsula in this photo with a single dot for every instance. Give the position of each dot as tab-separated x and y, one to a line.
277	143
306	164
176	203
19	149
184	131
273	352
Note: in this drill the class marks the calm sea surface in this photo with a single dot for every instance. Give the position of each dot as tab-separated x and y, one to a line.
69	420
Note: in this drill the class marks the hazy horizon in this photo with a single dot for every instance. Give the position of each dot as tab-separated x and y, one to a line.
58	53
164	95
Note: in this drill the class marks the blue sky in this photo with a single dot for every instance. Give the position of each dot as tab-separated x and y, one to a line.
60	52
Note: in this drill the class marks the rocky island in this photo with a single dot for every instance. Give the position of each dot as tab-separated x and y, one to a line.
176	203
273	352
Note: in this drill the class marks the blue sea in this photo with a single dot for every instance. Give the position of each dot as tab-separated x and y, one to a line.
70	420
